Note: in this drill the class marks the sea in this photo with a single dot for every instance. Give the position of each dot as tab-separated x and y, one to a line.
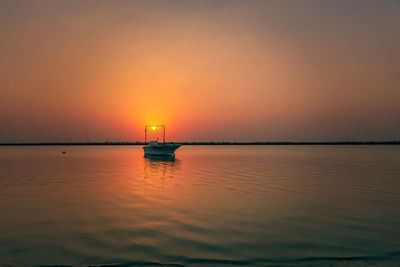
256	205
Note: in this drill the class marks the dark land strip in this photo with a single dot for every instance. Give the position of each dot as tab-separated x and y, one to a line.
200	143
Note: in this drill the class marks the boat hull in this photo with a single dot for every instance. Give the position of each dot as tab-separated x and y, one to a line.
161	149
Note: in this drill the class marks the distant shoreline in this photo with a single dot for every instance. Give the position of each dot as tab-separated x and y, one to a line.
202	143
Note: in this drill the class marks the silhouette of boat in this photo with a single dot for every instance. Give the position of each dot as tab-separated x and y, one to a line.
156	148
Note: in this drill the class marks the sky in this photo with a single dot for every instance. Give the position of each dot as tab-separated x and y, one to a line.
209	70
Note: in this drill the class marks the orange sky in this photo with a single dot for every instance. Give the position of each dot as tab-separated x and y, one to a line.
210	70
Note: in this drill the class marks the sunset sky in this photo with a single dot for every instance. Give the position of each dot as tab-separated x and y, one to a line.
209	70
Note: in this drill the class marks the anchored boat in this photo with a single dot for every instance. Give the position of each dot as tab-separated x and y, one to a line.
156	148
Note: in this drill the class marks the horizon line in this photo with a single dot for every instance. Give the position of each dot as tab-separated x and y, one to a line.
391	142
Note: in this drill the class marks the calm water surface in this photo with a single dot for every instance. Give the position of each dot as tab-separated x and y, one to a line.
246	205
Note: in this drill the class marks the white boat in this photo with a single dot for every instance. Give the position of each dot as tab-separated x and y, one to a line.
160	149
156	148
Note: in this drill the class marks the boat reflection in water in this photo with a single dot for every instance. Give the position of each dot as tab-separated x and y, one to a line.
159	168
162	158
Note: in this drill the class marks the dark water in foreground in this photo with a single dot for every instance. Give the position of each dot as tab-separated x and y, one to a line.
249	205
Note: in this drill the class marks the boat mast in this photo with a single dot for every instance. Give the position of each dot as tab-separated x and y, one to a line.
145	132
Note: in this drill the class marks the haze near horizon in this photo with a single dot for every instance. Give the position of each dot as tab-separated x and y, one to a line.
209	70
